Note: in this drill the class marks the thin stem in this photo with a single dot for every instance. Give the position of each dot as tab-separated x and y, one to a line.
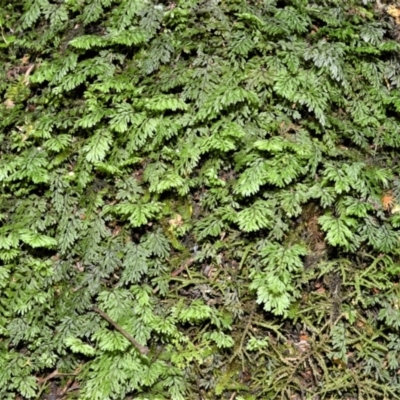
139	347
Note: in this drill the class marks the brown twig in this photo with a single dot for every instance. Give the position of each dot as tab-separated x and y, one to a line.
186	264
27	73
48	377
56	374
175	273
65	388
69	387
139	347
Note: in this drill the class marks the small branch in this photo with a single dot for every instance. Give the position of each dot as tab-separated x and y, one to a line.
177	272
188	263
48	377
69	387
27	73
56	374
139	347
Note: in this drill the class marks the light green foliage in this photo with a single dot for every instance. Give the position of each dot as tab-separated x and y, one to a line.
220	179
274	281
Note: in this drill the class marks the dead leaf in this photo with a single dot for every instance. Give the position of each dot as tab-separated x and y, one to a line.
387	200
177	221
9	104
25	59
394	12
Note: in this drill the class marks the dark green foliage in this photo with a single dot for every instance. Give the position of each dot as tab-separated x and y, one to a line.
220	178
